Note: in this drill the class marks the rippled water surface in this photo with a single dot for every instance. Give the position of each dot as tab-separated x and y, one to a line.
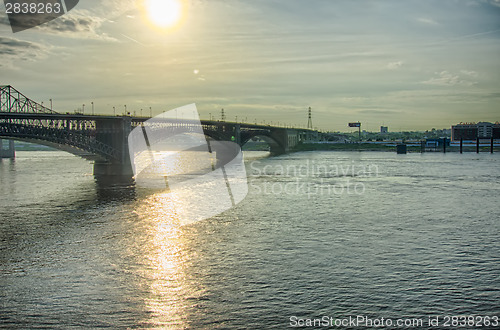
322	233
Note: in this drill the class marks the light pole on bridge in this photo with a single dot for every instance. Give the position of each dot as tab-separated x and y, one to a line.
83	109
92	107
114	111
50	104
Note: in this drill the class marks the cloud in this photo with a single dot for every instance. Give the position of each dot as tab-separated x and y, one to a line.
394	65
132	39
14	50
428	21
77	24
445	78
4	20
379	112
472	74
494	2
80	24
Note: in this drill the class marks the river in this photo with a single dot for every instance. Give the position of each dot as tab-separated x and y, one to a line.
320	235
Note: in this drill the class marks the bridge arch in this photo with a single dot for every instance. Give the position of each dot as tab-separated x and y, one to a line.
276	148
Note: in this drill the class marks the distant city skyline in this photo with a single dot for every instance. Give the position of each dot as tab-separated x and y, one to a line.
409	65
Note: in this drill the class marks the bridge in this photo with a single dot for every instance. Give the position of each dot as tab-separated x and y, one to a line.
104	138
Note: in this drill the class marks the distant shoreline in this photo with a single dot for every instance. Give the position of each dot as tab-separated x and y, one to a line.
382	147
315	147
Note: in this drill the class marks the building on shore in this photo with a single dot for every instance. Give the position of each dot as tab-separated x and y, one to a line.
384	129
473	131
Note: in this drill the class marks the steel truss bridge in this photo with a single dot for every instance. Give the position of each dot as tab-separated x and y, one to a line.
105	138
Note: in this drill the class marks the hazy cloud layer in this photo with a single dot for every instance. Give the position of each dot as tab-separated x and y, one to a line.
445	78
76	24
398	62
15	51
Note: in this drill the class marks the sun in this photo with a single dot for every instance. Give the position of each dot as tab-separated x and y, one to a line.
164	13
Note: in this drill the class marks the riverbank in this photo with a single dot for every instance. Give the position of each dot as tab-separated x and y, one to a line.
382	147
344	147
262	146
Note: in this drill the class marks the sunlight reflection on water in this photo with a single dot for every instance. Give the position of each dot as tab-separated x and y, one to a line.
165	273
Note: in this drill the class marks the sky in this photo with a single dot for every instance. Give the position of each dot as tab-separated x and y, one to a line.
406	64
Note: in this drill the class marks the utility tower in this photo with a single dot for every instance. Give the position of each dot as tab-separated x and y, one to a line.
222	115
309	119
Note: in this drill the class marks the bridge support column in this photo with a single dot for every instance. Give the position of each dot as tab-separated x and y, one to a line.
237	134
293	139
113	169
114	132
10	152
280	135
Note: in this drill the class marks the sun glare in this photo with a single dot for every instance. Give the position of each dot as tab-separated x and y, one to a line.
164	13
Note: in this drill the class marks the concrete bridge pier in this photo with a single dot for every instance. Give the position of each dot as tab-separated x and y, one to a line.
112	169
114	132
279	145
225	152
293	139
237	134
10	152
